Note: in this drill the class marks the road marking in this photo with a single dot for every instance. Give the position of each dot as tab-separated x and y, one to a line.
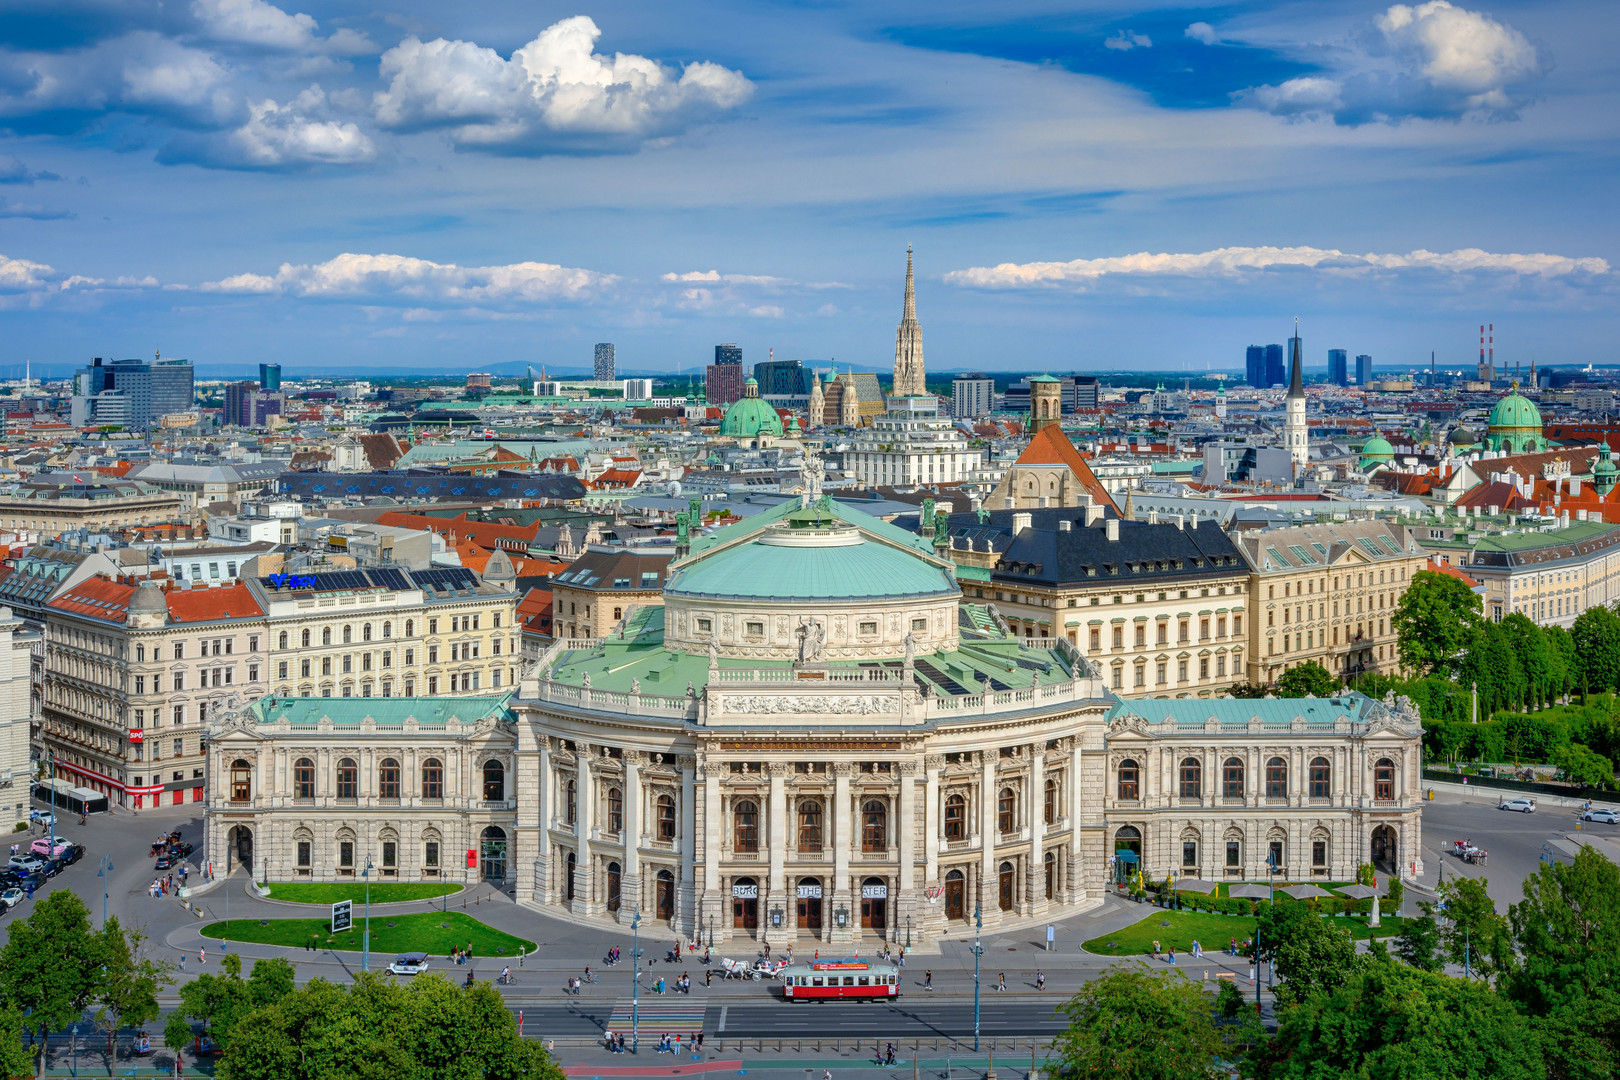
722	1025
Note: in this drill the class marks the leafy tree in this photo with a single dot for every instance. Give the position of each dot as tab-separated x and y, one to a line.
1434	620
1473	935
1419	943
1561	660
428	1030
1596	637
1275	923
1399	1023
1248	690
1491	666
1307	679
129	981
15	1058
1581	766
1566	969
1141	1025
1529	644
1315	955
50	965
177	1036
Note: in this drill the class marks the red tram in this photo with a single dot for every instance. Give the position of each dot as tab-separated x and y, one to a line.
840	979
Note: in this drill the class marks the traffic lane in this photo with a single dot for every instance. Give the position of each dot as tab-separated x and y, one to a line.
1513	840
909	1017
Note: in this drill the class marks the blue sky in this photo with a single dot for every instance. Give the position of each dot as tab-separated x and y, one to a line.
338	185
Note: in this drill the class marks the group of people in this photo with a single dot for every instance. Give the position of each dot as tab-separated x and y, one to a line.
666	1044
163	886
461	956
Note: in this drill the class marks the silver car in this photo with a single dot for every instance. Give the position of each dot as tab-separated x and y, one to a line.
1608	817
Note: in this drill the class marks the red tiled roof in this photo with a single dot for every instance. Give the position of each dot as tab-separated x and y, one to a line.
1452	571
97	597
1050	446
234	601
483	533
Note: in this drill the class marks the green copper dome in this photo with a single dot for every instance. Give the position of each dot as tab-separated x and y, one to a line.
750	416
1377	451
814	557
1515	426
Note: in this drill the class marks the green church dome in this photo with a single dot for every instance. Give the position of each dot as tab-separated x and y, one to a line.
750	416
1378	448
1516	411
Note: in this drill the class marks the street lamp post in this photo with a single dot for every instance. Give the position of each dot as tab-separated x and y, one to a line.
106	884
978	950
365	938
635	984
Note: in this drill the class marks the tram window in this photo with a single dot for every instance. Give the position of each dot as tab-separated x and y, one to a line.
815	980
864	981
849	980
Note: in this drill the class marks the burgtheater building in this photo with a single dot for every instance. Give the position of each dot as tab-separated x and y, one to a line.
815	738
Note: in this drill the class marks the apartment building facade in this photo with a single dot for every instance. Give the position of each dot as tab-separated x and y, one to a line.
1549	577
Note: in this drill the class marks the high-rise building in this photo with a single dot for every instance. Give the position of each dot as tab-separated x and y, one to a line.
1254	366
724	383
1081	392
637	389
249	405
779	378
269	376
728	354
972	395
1338	367
908	347
150	390
1363	369
1275	374
604	361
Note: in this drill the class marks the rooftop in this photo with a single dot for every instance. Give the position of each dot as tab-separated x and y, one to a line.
427	712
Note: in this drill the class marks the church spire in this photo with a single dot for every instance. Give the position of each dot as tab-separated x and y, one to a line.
1296	380
908	350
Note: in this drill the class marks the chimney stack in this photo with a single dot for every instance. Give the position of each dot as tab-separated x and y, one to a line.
1111	529
1020	522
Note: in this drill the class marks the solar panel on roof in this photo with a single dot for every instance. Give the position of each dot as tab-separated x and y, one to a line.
948	684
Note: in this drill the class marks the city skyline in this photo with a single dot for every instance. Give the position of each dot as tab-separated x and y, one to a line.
404	189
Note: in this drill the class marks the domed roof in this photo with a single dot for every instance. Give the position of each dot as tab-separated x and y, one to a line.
750	416
1462	437
1605	466
1378	448
1515	411
148	598
811	556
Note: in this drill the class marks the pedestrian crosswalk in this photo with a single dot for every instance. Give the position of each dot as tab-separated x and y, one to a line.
683	1018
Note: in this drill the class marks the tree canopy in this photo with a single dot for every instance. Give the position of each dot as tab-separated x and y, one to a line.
1137	1024
1434	619
1309	679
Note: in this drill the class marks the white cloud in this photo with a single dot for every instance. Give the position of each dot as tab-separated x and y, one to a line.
295	135
255	22
716	277
1126	40
1202	31
1430	61
13	171
23	275
419	282
142	72
555	95
32	211
1241	263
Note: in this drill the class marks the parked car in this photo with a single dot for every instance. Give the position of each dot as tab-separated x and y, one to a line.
1522	805
25	861
411	963
12	897
54	866
42	817
165	862
43	846
1608	817
181	850
73	854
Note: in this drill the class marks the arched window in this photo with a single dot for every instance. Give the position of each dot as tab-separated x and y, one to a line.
1006	810
615	817
1130	787
241	781
1192	778
1276	778
410	627
304	778
666	818
494	781
365	632
388	779
1384	780
304	638
1049	804
347	779
348	634
571	802
874	826
955	817
810	826
1321	778
388	630
281	640
745	826
326	635
432	779
1232	779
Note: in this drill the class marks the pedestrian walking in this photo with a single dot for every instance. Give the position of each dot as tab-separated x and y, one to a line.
1232	947
1001	981
767	950
202	955
826	1074
182	961
1172	956
1040	979
1155	948
1251	974
928	978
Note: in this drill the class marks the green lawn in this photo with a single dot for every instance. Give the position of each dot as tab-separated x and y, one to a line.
1213	931
432	932
309	892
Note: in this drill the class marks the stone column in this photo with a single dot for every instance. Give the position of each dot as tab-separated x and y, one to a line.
1036	874
843	837
630	879
1073	872
584	815
905	884
529	849
779	844
987	832
685	903
714	908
